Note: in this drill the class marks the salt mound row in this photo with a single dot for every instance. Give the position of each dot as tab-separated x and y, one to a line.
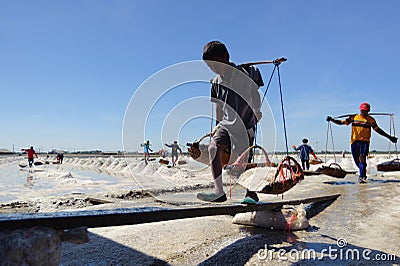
64	177
128	167
135	166
112	165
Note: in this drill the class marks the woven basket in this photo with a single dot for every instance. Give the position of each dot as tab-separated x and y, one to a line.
393	165
163	161
241	164
273	180
288	174
333	170
199	151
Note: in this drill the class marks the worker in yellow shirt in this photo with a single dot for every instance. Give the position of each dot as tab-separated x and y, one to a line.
361	125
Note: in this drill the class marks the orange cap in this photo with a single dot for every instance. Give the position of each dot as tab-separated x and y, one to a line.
365	107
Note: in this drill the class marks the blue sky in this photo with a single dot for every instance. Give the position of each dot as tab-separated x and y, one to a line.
68	69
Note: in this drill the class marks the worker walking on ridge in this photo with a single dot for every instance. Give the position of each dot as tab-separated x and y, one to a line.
146	150
361	125
31	152
60	157
174	153
305	151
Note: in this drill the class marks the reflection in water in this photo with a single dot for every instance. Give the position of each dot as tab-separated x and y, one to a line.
29	180
29	177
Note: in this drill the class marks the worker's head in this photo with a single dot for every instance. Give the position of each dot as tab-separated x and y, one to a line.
31	147
216	56
365	107
148	141
175	142
216	51
305	140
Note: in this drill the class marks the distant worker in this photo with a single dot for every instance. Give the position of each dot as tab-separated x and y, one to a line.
360	136
305	151
31	152
60	157
174	153
343	154
146	150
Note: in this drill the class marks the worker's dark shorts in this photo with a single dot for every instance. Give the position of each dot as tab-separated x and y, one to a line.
359	147
221	138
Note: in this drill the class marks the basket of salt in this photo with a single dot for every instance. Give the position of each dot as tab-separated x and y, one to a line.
199	151
393	165
273	180
182	162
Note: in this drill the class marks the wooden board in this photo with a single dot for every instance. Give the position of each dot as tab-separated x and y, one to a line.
129	216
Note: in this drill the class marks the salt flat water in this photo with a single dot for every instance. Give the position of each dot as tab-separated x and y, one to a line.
92	174
18	183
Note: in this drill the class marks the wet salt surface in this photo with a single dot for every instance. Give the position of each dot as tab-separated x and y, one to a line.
53	180
92	175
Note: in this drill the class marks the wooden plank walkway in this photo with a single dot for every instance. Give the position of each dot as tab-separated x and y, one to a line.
129	216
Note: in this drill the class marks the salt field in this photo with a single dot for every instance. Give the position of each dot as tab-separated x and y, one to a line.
104	174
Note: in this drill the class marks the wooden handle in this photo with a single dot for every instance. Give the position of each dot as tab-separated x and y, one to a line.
278	60
335	164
